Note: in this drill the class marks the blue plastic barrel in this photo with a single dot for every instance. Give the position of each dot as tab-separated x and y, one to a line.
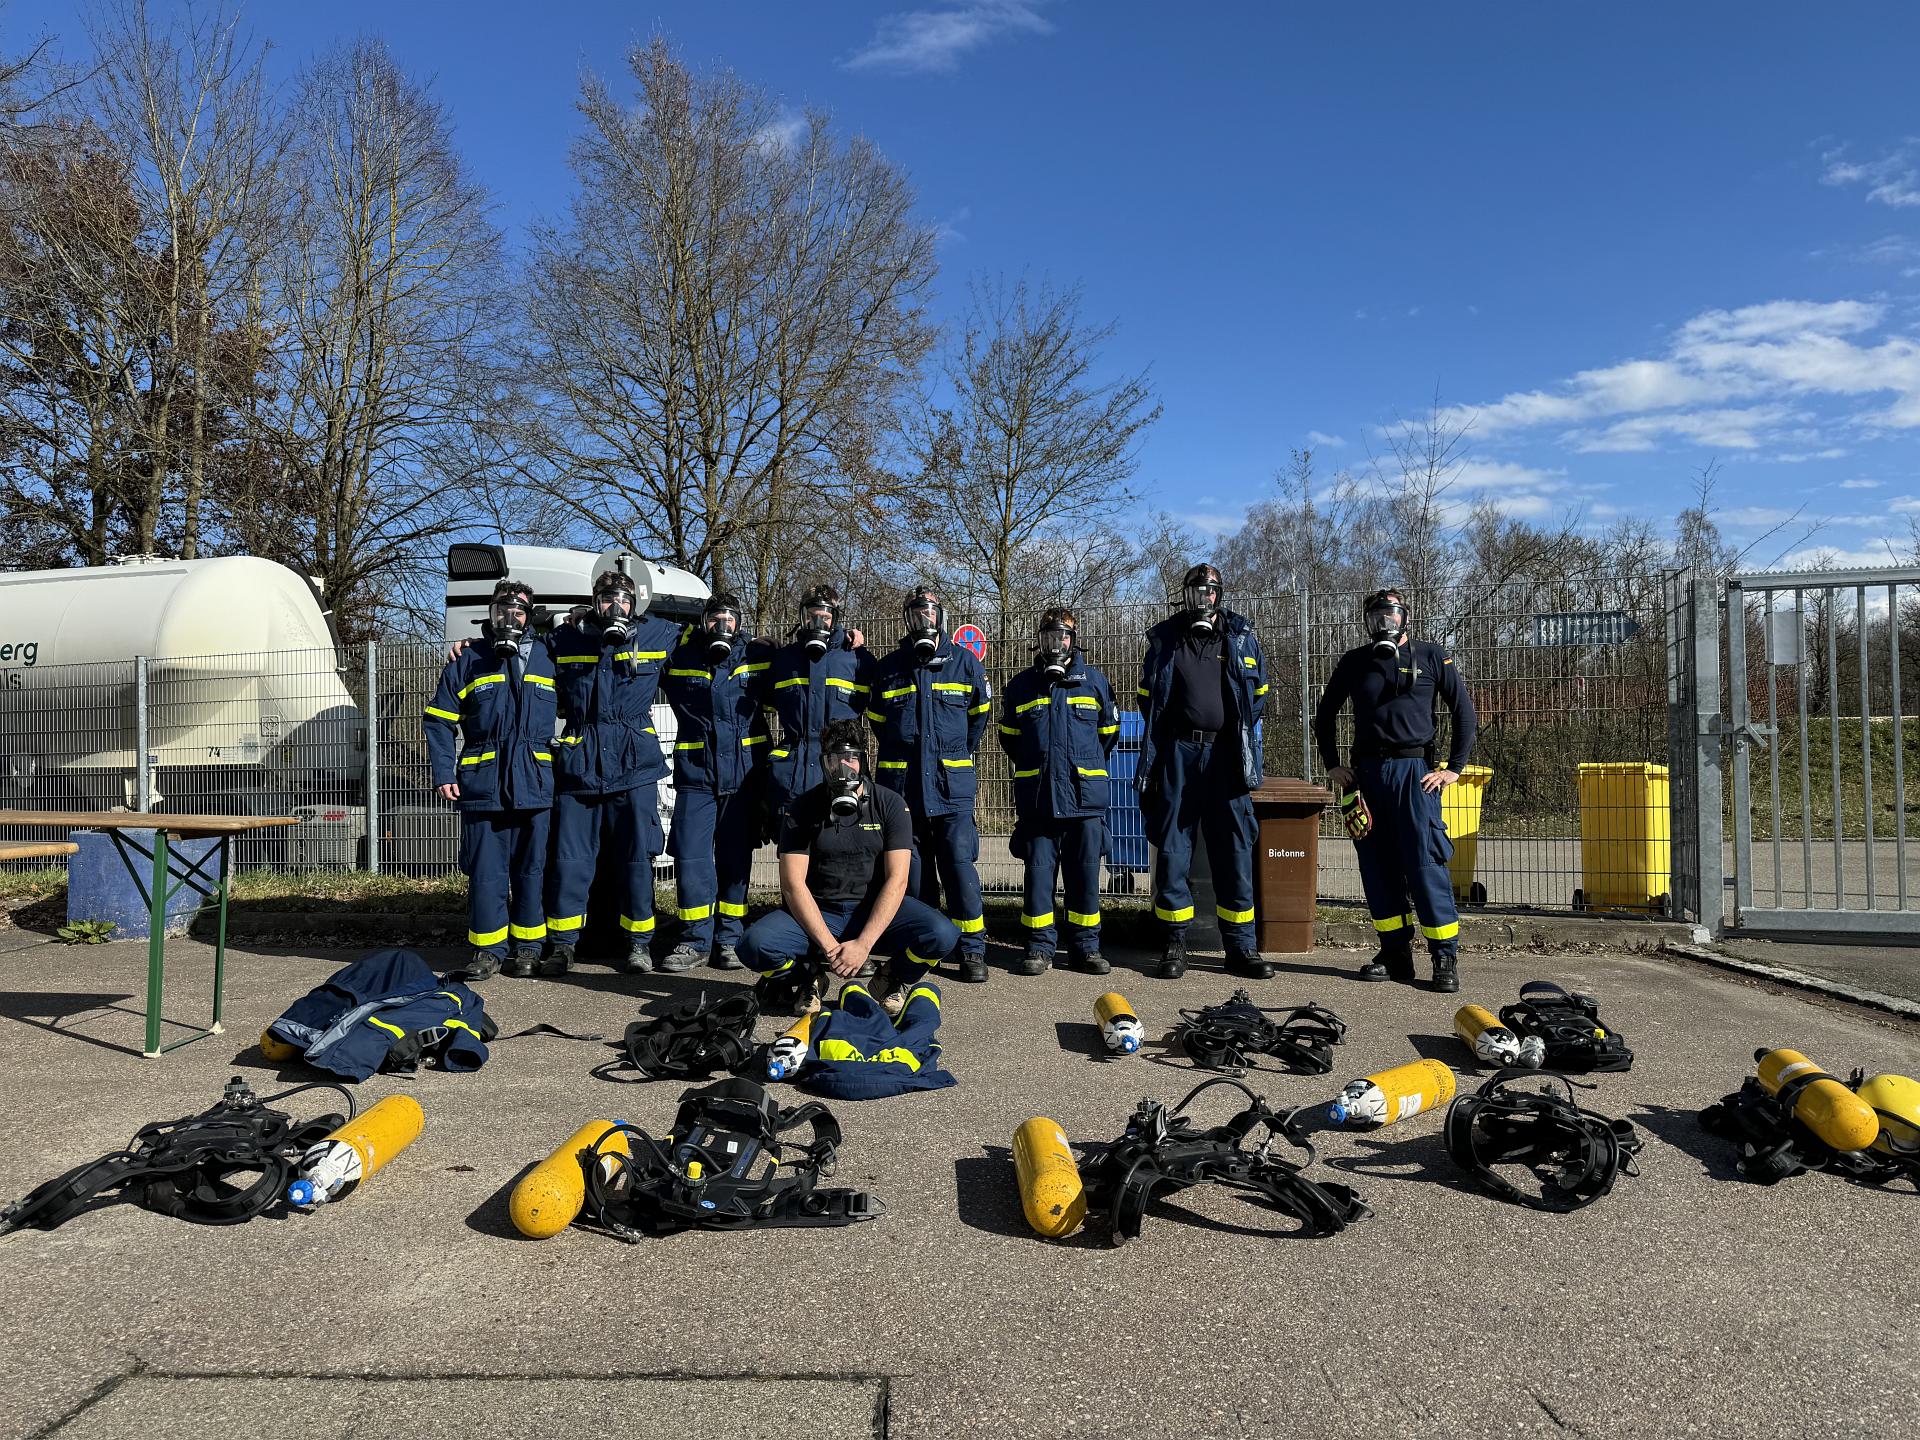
111	877
1127	847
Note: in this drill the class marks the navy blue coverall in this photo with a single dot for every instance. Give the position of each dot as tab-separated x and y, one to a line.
607	771
489	730
1404	858
806	696
1202	783
1058	734
928	717
719	762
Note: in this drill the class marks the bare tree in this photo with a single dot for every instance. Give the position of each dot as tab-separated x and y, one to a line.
1027	467
720	335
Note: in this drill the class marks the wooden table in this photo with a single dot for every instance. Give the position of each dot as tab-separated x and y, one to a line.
37	849
164	828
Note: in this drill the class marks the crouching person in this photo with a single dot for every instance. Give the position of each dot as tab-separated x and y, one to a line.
846	847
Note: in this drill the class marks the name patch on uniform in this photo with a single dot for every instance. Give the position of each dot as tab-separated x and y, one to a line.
865	826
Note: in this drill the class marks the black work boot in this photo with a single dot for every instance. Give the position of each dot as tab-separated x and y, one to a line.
973	968
1393	961
1037	961
638	960
1250	964
481	965
1173	958
557	961
725	957
1446	971
520	964
682	958
1092	963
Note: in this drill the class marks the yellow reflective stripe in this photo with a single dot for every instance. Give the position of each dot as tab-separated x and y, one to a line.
484	939
757	665
693	674
565	922
837	683
973	926
789	681
481	680
697	912
462	1025
390	1029
435	710
528	932
1084	921
1087	700
876	718
1247	660
1025	774
546	680
923	960
727	907
920	990
1037	922
1009	729
952	685
637	927
1185	912
1144	693
546	755
645	655
1233	917
831	1049
453	997
1110	729
1032	704
1263	690
1390	924
576	739
893	764
781	754
981	708
479	759
576	659
1441	932
956	764
1090	774
755	739
890	694
688	744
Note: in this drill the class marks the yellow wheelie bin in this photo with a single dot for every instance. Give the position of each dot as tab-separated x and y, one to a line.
1626	844
1460	814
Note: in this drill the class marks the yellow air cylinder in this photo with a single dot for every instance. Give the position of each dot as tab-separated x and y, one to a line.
549	1196
333	1168
1480	1029
1119	1026
1826	1107
1391	1095
789	1052
1050	1189
276	1051
1896	1102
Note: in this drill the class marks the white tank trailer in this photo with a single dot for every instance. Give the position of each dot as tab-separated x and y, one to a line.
246	708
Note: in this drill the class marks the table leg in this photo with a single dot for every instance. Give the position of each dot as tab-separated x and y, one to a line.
156	942
220	939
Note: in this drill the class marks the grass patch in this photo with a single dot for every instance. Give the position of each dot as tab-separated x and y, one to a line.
349	890
35	884
1819	749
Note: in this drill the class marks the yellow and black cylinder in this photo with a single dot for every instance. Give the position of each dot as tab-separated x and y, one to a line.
1821	1103
549	1196
1482	1033
1120	1028
1051	1191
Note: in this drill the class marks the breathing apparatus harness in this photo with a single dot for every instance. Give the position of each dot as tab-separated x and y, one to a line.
1162	1151
691	1039
1232	1036
1568	1025
1774	1145
723	1166
221	1167
1575	1153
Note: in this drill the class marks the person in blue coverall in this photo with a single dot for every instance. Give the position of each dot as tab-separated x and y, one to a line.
822	675
1203	694
929	711
1395	685
719	766
489	733
1058	725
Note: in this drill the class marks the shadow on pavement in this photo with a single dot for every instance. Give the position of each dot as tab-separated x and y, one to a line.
1448	1050
1081	1038
491	1217
1420	1158
46	1009
1681	1129
988	1195
1301	967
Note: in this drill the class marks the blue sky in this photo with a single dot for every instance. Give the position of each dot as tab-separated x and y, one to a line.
1626	240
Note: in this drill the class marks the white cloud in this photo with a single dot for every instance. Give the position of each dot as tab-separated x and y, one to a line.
1832	557
784	132
1213	526
1891	179
948	231
921	41
1905	505
1861	484
1800	457
1321	440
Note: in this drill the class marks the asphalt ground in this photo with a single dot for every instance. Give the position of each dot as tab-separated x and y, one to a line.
1685	1303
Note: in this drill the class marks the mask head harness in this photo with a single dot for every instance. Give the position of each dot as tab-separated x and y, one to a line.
1231	1037
220	1167
926	620
1568	1027
1054	642
614	610
1163	1151
843	765
1574	1153
720	626
1201	595
723	1166
694	1038
819	618
1384	613
509	616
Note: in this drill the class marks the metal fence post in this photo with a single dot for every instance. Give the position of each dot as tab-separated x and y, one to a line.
1707	804
1306	695
142	773
373	758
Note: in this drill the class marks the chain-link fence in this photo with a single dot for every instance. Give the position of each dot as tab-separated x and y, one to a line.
1561	674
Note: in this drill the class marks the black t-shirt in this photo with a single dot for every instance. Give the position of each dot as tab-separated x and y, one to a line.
844	851
1199	698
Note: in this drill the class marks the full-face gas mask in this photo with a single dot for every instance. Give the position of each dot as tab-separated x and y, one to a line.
816	629
1200	595
844	766
613	610
926	621
1054	652
1386	621
508	616
720	627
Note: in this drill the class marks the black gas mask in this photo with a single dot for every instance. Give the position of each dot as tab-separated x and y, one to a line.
507	619
1200	595
1386	621
1054	652
816	630
926	621
844	769
719	628
613	613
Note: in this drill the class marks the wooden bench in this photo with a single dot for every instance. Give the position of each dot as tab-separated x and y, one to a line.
37	849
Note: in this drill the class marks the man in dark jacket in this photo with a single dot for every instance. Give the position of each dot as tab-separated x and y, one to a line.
1395	685
1203	694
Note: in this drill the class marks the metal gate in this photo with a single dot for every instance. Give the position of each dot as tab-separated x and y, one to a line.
1816	686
